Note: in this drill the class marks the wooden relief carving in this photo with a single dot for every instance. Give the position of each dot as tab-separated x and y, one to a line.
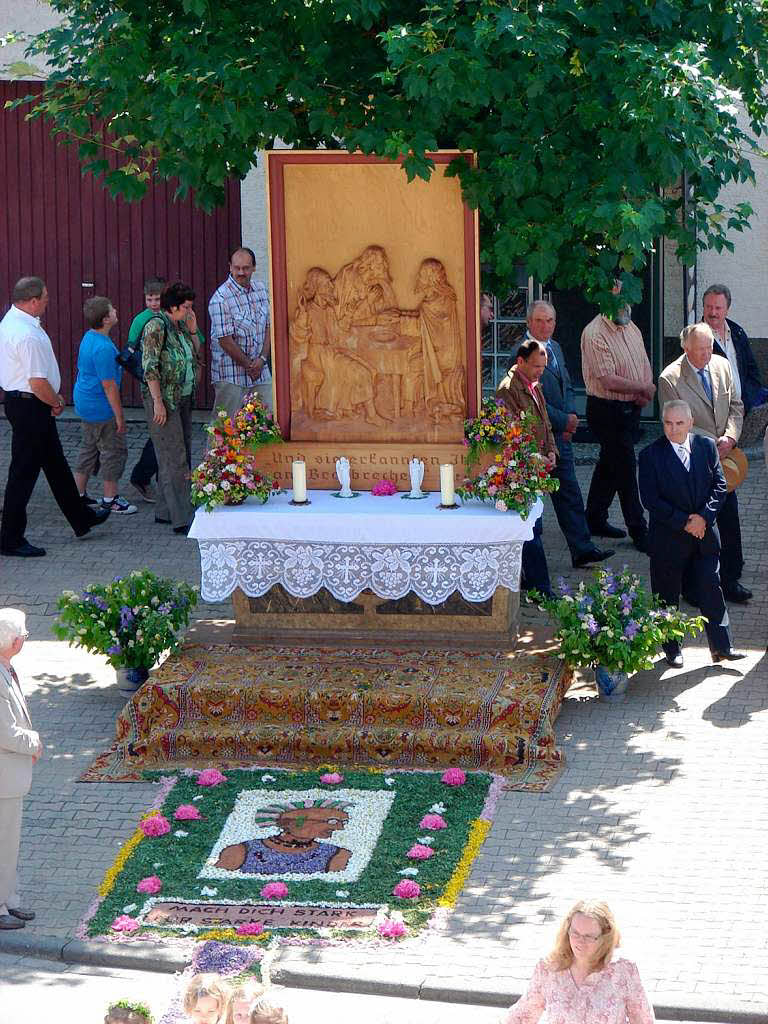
363	369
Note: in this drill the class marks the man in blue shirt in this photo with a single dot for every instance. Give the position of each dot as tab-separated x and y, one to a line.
97	403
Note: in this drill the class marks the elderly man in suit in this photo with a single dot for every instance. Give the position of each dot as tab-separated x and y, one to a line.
520	391
705	382
558	394
683	488
20	748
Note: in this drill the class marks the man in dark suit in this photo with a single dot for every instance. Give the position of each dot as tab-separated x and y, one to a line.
731	342
682	486
557	389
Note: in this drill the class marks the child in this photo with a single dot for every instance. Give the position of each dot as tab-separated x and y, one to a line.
267	1012
242	1002
125	1012
206	999
97	403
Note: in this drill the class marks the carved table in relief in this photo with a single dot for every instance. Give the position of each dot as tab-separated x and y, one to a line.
382	569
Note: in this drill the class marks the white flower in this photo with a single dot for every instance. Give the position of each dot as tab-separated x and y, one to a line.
208	891
267	778
342	892
231	468
130	907
180	833
210	488
158	864
389	780
409	871
198	797
225	485
155	600
426	840
500	506
437	808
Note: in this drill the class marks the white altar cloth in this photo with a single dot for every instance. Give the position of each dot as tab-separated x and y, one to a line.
385	544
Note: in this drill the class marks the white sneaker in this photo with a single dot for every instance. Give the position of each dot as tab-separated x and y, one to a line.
118	506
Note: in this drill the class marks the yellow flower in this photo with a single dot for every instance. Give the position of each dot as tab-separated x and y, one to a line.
478	833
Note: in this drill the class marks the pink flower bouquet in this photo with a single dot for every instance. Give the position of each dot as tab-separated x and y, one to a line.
420	851
454	777
392	929
156	825
274	891
151	884
331	779
433	821
125	924
251	928
383	488
407	890
186	812
210	777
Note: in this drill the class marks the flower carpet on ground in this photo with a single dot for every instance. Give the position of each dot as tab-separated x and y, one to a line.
433	709
282	855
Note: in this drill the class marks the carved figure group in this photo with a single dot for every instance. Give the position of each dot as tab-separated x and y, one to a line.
351	344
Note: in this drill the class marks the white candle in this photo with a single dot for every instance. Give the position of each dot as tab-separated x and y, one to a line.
447	496
299	480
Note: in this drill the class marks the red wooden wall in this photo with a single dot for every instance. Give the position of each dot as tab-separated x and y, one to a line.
65	227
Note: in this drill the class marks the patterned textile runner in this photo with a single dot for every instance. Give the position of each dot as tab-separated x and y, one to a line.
229	705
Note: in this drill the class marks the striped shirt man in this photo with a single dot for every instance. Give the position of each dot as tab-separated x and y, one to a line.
608	348
242	314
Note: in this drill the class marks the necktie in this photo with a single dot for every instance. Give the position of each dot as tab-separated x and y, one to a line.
552	358
684	456
706	382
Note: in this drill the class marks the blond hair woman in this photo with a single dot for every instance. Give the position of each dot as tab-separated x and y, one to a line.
580	982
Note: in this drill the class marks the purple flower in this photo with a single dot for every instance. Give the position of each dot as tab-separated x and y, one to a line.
114	649
592	626
126	616
631	629
562	586
585	604
218	958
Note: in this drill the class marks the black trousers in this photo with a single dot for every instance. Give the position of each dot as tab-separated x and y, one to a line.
568	502
731	554
146	467
668	566
35	446
615	425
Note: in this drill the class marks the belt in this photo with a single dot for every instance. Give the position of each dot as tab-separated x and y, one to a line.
20	394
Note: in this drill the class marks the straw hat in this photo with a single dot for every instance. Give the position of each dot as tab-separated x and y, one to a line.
734	468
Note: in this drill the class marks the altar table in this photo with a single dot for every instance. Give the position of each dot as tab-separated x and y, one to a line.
344	564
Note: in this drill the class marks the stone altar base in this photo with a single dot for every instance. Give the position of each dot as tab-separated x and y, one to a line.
323	619
229	706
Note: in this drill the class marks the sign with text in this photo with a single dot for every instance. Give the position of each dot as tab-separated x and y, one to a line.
171	912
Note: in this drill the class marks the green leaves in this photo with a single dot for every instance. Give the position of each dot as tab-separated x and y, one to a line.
584	115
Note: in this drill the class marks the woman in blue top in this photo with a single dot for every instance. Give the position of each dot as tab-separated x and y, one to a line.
97	403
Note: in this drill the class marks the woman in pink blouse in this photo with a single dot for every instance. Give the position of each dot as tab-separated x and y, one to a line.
579	982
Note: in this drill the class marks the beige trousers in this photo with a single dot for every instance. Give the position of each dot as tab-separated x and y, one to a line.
231	396
10	836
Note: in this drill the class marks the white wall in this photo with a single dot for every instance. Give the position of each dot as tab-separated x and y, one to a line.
28	16
253	210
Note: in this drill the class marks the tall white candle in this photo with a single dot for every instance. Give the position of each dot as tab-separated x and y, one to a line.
447	496
299	480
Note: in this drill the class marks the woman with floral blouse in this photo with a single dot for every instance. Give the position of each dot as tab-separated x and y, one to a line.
580	982
169	359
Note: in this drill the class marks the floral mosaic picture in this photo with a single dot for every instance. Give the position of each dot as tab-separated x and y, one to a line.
257	853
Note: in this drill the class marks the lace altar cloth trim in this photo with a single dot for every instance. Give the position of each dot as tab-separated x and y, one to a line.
433	571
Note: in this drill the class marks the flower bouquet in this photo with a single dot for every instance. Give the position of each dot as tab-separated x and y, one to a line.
251	427
132	620
613	622
492	430
518	475
226	476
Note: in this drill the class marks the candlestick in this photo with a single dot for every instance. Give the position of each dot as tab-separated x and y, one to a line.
299	480
447	496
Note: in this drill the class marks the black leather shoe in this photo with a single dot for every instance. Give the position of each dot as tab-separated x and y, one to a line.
718	656
674	658
183	529
166	522
96	516
22	915
640	541
592	554
736	593
691	599
8	923
606	530
24	550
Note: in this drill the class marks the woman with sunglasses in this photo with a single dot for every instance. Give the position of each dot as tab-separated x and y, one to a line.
580	982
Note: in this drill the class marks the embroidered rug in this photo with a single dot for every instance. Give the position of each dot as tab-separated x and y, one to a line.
252	855
236	706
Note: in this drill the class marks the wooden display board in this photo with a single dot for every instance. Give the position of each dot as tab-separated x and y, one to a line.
375	330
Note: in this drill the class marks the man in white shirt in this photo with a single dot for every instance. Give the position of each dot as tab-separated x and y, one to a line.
683	488
20	748
30	377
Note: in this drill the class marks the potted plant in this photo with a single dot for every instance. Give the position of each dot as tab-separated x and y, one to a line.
516	473
613	625
251	427
132	621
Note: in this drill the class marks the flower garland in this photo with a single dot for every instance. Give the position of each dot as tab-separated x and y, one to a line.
407	889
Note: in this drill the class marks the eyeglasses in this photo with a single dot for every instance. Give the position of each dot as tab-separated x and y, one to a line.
585	938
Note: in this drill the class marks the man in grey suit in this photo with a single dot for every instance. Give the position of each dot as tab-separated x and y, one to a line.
705	382
558	394
20	748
